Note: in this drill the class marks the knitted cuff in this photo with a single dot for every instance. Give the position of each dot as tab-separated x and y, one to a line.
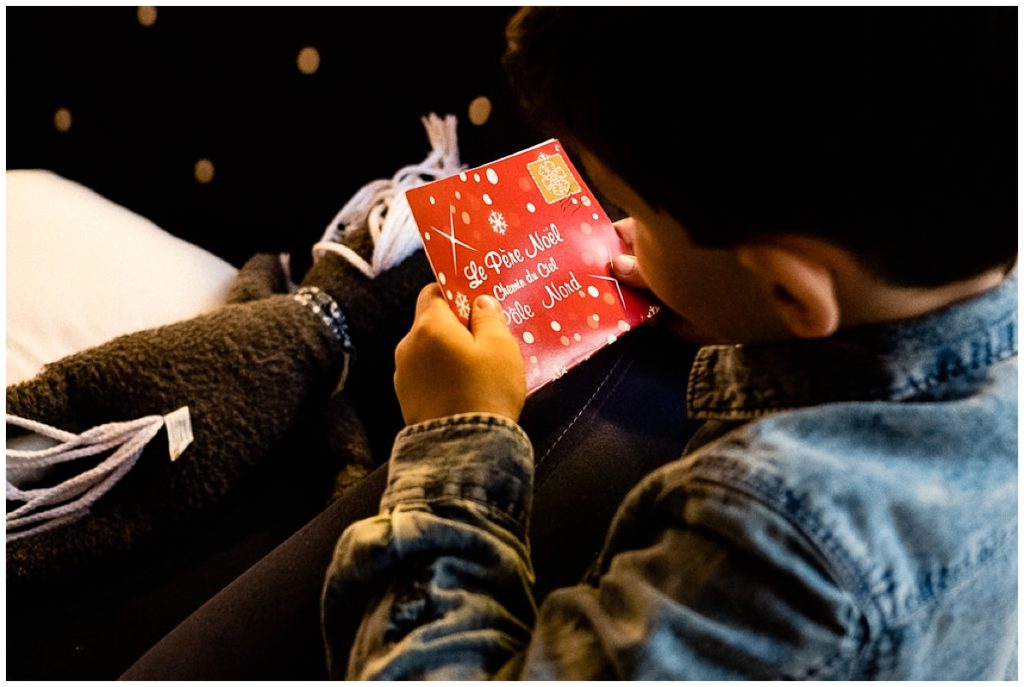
327	310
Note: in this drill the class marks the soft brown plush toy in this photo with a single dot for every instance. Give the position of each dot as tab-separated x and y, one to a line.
249	374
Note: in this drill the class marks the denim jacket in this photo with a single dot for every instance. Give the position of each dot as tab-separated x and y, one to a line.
847	511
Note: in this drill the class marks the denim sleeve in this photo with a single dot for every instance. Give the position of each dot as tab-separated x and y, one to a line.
698	580
441	578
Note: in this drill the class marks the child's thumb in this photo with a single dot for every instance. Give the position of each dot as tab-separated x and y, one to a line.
627	269
487	319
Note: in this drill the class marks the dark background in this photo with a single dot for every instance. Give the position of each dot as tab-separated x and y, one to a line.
288	149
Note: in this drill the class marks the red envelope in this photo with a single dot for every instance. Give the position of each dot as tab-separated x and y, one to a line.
527	230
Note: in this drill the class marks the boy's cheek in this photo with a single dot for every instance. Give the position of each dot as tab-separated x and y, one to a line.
652	259
700	287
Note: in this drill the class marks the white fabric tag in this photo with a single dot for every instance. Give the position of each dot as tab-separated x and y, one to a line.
179	431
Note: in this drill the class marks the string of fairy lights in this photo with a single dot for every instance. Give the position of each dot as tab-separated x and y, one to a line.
307	61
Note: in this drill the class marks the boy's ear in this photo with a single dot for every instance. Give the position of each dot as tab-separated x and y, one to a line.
801	287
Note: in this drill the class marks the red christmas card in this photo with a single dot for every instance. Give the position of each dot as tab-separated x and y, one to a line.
527	230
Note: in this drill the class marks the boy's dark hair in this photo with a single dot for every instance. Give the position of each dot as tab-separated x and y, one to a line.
891	132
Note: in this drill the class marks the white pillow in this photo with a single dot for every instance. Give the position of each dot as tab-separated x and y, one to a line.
82	270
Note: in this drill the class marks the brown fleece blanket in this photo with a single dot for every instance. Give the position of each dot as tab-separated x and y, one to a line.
251	373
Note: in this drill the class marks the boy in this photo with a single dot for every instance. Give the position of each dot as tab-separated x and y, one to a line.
833	201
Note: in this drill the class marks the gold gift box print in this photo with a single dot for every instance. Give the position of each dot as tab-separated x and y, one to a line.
553	178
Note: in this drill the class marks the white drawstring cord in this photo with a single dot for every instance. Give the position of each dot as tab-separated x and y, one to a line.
382	205
130	438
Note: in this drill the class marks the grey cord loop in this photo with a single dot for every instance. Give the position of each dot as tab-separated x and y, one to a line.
382	206
47	508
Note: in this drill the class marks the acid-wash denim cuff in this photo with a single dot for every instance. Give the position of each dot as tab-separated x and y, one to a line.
483	458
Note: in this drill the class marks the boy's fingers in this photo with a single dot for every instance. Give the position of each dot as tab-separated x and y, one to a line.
487	319
626	229
625	265
627	270
429	296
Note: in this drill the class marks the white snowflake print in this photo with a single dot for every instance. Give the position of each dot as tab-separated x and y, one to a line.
652	310
554	178
497	222
462	303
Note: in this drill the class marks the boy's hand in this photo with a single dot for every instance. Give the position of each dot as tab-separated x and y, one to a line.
627	270
441	368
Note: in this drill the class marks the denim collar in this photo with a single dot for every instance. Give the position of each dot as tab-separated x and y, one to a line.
889	361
